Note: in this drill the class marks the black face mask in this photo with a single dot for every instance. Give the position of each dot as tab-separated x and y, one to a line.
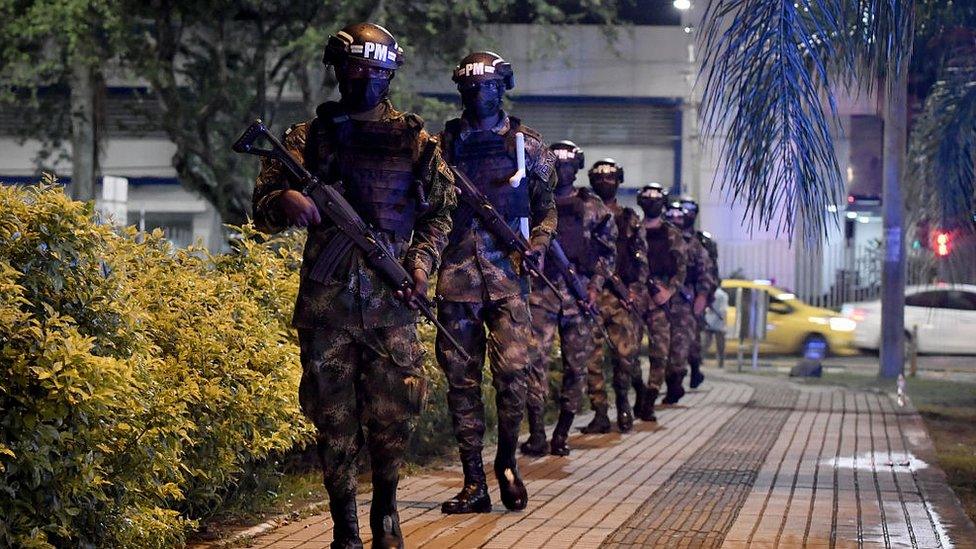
653	206
481	103
605	189
689	220
363	94
566	176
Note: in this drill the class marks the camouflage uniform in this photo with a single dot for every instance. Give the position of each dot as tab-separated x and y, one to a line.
587	234
361	358
622	327
481	284
707	280
667	255
684	323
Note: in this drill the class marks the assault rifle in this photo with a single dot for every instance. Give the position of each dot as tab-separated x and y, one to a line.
496	225
619	288
333	205
575	285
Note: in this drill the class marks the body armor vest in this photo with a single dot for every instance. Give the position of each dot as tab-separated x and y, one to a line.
573	236
374	161
659	255
488	159
628	246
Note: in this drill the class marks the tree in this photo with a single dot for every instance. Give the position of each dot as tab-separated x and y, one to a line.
770	71
213	66
53	48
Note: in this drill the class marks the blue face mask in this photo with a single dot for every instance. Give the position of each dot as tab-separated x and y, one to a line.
482	101
363	94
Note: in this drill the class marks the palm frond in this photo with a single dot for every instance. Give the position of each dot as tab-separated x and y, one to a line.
943	146
877	38
766	72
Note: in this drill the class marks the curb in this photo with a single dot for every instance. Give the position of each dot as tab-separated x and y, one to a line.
243	537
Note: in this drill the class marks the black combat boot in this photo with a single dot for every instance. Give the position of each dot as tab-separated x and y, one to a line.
345	534
559	447
384	521
536	445
599	424
625	415
641	391
696	376
473	497
675	388
510	485
646	410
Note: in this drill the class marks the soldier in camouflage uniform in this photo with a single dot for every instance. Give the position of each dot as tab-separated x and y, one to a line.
667	257
621	324
587	234
697	287
361	358
711	281
482	284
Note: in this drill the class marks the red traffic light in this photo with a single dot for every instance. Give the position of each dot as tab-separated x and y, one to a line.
942	243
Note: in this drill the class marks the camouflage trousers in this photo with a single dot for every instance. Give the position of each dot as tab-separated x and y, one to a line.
356	380
577	349
684	329
658	345
506	344
624	347
695	349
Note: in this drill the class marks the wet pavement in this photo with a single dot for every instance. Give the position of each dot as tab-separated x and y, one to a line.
746	461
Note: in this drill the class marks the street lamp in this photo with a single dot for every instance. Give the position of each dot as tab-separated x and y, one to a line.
682	4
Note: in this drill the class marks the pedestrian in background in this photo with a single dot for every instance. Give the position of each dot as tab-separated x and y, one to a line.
715	324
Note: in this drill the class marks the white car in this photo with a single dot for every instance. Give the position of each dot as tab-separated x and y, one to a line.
944	314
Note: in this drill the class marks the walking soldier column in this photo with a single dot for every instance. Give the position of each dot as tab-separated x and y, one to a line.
587	234
706	253
619	303
697	286
483	281
667	257
360	354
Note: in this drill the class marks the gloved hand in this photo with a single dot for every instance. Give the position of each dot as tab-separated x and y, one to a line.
298	209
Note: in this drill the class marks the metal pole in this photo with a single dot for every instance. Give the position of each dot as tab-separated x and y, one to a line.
893	273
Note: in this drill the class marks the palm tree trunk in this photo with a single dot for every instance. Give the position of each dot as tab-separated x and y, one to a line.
83	139
893	212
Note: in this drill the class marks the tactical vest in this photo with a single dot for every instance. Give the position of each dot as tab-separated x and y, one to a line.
488	159
628	247
374	161
659	255
573	236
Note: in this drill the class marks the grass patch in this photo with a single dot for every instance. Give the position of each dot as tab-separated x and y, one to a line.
948	409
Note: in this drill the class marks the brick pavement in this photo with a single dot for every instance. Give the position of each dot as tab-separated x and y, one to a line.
744	462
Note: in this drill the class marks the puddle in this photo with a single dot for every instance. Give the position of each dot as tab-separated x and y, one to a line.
868	461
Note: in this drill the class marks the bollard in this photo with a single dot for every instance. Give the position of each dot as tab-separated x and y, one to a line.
913	356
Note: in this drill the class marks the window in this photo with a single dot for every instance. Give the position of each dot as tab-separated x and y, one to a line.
935	298
961	301
779	306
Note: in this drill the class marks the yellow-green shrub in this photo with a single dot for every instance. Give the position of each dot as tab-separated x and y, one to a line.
141	386
137	382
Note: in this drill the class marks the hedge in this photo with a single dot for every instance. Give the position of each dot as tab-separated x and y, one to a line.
141	386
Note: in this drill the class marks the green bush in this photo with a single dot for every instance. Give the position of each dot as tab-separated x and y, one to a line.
138	383
142	387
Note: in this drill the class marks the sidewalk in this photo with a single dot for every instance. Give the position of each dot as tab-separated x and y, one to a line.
746	461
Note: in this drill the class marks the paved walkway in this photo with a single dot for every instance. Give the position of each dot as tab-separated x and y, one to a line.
745	462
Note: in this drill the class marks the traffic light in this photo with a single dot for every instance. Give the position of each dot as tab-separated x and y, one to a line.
941	242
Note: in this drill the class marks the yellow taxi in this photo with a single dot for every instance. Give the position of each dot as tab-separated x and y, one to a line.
791	325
